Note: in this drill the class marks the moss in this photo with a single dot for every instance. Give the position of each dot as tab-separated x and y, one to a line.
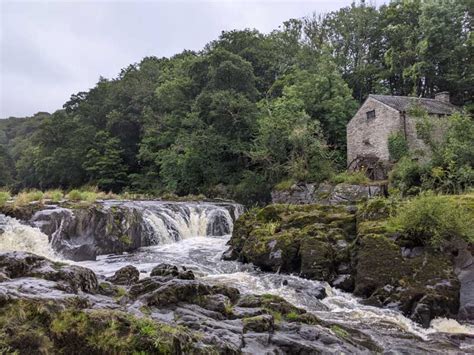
284	185
371	227
340	332
34	327
126	239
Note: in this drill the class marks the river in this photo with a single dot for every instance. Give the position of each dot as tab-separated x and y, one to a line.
202	254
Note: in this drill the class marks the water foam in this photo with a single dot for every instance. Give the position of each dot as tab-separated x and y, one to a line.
20	237
447	325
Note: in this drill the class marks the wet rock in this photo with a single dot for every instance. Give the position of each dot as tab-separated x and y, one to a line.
108	289
79	253
344	282
70	278
217	303
172	271
259	324
175	291
127	275
164	270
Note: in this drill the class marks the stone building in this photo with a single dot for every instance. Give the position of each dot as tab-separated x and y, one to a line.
382	115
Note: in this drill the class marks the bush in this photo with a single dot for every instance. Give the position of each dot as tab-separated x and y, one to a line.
397	146
407	176
430	219
352	177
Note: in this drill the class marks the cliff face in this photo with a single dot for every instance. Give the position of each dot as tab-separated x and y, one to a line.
350	248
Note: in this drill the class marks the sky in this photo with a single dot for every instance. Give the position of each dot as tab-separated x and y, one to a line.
50	50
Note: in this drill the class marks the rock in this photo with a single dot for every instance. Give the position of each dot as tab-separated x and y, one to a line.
327	194
79	253
464	269
70	278
423	286
344	282
175	291
173	271
300	193
128	275
259	324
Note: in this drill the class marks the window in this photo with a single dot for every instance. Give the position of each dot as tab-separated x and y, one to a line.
370	115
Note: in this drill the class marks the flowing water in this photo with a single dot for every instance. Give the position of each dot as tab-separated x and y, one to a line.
183	240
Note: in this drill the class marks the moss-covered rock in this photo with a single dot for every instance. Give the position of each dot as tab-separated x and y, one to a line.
422	287
29	327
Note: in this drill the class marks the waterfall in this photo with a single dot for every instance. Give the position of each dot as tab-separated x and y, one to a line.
15	236
171	222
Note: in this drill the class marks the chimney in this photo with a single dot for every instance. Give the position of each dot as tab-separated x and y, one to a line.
442	96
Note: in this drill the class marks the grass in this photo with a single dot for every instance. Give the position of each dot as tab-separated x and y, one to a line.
55	195
26	197
353	177
4	197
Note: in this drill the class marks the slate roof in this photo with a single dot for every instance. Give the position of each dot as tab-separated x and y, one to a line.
404	103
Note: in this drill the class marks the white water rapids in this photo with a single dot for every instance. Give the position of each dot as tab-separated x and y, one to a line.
202	254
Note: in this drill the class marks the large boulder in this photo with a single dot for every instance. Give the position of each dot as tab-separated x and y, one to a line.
311	240
127	275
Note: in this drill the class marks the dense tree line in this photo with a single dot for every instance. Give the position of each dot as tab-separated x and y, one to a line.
249	110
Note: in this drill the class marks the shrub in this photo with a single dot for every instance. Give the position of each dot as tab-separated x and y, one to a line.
55	195
430	219
407	176
397	146
4	197
74	195
352	177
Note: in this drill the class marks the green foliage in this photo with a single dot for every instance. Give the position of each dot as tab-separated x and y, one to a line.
350	177
252	109
104	163
450	167
397	146
430	219
407	176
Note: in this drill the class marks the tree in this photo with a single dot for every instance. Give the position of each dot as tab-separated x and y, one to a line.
104	163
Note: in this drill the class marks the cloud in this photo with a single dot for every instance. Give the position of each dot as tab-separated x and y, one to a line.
50	50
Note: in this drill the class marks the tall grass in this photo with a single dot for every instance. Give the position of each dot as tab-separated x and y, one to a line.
26	197
4	197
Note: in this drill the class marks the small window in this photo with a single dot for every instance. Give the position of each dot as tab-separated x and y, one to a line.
370	115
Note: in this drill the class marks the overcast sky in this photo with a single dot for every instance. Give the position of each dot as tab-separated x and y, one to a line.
52	49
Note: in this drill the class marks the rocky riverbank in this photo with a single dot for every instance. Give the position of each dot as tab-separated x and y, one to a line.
62	308
350	248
